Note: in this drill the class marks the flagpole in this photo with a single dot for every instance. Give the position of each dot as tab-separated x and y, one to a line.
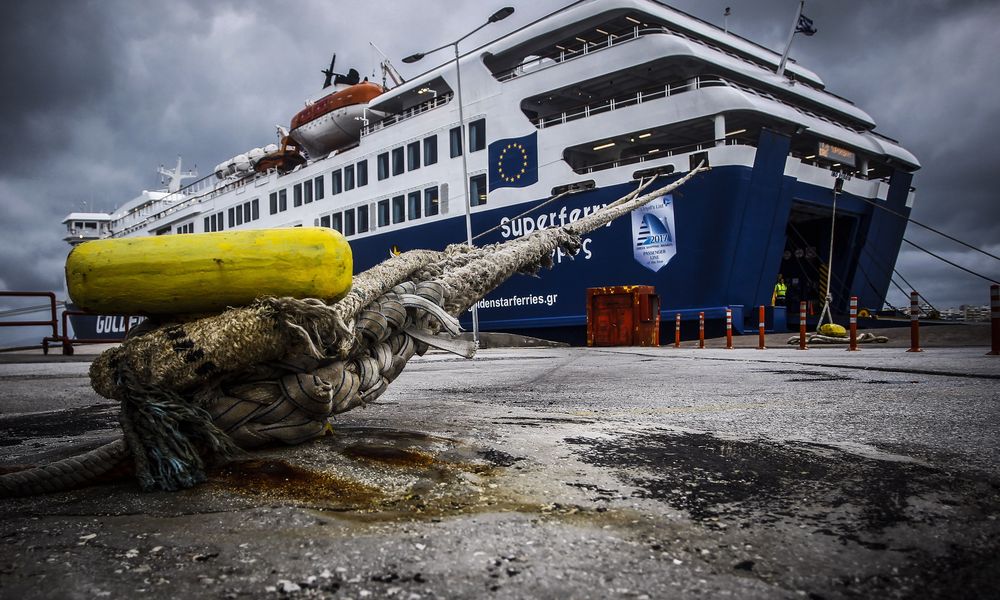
791	36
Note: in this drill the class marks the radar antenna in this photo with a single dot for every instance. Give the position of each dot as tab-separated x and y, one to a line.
332	77
329	72
175	176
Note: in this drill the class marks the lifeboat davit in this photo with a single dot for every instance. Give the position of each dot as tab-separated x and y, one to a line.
335	120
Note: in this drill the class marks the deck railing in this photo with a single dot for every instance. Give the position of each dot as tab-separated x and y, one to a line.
439	100
52	322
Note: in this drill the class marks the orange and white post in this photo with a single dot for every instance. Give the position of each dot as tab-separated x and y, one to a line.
854	325
914	323
802	325
677	331
995	320
701	330
729	329
760	329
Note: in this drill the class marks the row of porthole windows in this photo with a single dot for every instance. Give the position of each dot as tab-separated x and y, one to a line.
238	215
244	213
408	158
387	211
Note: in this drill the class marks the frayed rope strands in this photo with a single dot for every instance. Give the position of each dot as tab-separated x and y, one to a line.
275	371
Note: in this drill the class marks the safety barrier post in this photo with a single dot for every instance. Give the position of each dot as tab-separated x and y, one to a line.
677	331
802	325
760	329
854	325
914	323
701	330
729	329
995	319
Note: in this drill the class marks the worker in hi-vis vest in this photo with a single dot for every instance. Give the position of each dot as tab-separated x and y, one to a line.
780	291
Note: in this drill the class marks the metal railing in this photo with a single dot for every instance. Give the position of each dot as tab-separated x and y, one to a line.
68	343
664	153
632	99
53	322
613	39
409	113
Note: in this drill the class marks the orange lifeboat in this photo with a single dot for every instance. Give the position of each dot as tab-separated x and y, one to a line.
335	120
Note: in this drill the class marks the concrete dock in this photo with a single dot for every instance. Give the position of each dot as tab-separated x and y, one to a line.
550	473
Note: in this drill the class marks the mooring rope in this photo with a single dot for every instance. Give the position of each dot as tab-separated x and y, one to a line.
205	390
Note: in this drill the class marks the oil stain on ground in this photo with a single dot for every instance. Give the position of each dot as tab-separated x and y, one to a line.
765	481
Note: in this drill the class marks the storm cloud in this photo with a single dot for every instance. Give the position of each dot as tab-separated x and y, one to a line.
99	93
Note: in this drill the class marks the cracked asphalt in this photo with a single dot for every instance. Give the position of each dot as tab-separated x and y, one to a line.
550	473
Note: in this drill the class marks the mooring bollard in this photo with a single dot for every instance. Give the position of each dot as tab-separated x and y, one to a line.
802	325
914	323
701	330
677	331
760	329
995	320
854	325
729	329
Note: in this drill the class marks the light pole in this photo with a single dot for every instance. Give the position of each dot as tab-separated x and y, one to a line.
499	15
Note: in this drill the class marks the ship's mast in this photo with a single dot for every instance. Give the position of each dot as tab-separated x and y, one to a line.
175	176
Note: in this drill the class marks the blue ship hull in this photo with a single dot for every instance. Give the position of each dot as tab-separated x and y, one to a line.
735	232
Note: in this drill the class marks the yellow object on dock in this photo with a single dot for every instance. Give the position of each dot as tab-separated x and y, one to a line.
207	272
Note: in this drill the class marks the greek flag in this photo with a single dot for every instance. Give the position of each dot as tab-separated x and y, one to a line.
805	26
514	162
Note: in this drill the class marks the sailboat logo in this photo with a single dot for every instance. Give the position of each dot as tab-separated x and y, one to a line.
653	231
653	234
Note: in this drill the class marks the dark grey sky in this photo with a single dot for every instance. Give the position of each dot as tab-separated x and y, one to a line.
98	93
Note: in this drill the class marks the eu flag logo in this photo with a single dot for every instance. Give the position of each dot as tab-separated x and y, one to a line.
514	162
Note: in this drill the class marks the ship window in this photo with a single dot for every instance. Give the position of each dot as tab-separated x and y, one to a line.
413	205
455	136
324	221
207	229
336	183
477	135
431	150
307	187
383	166
383	212
273	198
431	201
363	218
349	177
349	222
412	156
398	209
247	212
282	200
255	209
318	183
297	195
397	161
232	217
337	222
477	189
362	173
239	215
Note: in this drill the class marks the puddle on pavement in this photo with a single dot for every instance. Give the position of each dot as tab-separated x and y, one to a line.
388	455
376	474
275	480
759	481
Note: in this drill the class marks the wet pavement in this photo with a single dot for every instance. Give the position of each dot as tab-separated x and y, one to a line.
550	473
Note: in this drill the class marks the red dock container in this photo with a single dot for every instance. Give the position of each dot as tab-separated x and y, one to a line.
626	315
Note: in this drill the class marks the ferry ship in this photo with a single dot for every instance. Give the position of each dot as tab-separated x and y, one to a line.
553	120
